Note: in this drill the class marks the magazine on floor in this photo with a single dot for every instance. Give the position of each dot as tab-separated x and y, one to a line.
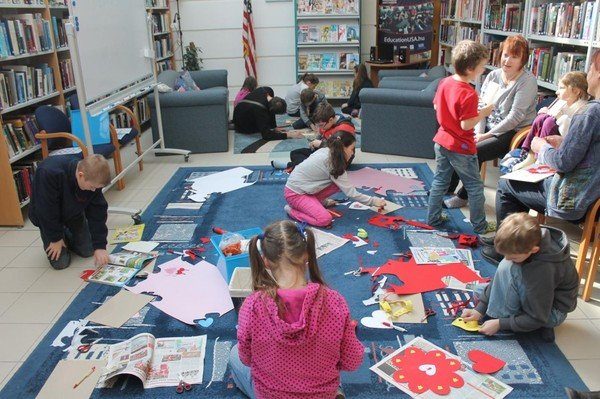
122	267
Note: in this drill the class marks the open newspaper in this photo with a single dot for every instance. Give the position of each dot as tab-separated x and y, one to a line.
158	362
122	267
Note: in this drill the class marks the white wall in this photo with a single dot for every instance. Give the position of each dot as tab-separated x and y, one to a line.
216	27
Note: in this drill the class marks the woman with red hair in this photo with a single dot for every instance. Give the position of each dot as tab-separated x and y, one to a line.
513	90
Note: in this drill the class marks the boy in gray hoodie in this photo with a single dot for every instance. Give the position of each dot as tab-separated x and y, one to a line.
536	283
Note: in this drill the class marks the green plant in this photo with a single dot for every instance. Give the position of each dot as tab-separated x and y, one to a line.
191	58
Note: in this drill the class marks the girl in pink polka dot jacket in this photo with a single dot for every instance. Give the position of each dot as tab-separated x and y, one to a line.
294	335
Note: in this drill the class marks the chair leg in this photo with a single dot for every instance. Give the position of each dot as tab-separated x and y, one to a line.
483	172
138	146
586	238
118	169
593	269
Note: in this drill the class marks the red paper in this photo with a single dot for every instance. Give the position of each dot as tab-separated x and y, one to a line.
85	275
204	240
423	278
382	181
394	222
427	371
350	236
484	363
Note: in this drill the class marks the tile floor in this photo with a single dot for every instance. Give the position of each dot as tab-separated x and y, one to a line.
33	296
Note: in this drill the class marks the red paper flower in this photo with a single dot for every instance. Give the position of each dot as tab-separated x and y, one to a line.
424	371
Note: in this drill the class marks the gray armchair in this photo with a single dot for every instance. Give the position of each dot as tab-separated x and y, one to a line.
399	121
413	74
194	120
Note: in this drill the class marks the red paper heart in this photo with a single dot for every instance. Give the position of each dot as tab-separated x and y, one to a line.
484	363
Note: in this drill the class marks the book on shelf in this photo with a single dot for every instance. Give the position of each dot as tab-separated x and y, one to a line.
506	17
352	60
469	10
66	73
495	53
328	7
60	34
352	33
122	267
567	20
23	2
336	33
162	47
156	3
24	34
143	109
21	83
313	62
329	62
303	33
336	88
23	177
19	134
160	23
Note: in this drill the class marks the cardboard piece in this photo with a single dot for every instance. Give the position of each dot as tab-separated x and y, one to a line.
326	242
188	292
423	278
416	316
120	308
382	182
220	182
141	246
484	362
66	374
389	207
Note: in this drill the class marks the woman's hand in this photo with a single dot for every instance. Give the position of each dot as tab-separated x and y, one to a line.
555	141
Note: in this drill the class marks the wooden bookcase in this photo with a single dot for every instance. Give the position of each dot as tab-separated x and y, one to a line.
10	206
161	10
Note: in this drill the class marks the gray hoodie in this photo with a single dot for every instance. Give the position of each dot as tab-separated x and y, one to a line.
550	281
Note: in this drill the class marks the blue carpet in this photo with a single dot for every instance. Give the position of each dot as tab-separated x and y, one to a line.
536	369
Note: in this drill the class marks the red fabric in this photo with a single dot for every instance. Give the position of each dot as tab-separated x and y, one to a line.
422	278
248	40
484	363
455	101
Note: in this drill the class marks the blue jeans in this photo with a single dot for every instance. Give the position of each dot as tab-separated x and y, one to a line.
241	373
467	168
507	294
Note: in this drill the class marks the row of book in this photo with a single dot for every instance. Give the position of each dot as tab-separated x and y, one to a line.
121	120
162	47
328	61
21	83
24	33
318	7
156	3
23	176
469	10
335	88
66	73
451	34
328	33
506	17
60	34
568	20
143	109
23	2
19	134
164	65
160	23
549	65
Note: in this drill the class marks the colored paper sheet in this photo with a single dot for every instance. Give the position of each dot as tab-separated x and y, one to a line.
118	309
127	234
141	246
382	182
188	292
389	207
418	308
220	182
327	242
66	374
532	174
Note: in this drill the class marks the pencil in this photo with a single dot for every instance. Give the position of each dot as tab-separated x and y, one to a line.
84	377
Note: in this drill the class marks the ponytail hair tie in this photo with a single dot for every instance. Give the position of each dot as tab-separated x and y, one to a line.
261	236
302	229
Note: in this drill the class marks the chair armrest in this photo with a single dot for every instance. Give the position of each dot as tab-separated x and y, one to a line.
208	79
43	136
192	98
410	98
391	83
518	138
400	72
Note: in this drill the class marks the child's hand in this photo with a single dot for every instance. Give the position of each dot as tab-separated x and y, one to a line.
314	127
555	141
470	315
315	144
490	327
294	134
379	202
487	110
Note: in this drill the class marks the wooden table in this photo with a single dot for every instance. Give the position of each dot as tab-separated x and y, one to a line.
375	67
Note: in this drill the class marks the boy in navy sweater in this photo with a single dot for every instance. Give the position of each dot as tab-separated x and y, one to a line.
69	208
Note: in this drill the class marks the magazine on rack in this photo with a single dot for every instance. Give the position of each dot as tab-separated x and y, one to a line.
122	267
158	362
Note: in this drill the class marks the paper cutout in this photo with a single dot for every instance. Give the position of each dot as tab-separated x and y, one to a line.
470	326
377	294
141	246
68	332
68	373
220	182
359	242
442	255
118	309
394	222
127	234
376	320
359	207
418	307
422	278
389	208
455	284
372	252
327	242
409	173
174	232
185	205
485	363
189	296
382	182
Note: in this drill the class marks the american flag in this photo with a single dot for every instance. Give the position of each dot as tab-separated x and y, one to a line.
248	40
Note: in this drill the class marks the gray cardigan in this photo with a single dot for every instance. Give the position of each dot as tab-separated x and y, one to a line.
515	103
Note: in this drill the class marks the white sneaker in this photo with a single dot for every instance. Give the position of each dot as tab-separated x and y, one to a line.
455	202
279	164
287	209
530	160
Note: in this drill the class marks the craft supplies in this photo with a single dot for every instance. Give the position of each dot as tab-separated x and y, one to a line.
428	313
362	233
471	325
388	324
183	386
85	377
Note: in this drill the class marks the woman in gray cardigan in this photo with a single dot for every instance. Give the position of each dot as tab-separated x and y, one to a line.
513	90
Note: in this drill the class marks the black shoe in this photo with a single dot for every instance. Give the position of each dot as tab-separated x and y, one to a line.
63	261
489	241
547	334
490	254
573	394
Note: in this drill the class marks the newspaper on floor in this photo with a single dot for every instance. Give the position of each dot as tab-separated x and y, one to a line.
220	182
429	255
327	242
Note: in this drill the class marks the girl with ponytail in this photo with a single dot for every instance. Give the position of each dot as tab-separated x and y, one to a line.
295	334
320	176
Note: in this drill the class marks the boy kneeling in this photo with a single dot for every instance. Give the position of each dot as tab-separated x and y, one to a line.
536	283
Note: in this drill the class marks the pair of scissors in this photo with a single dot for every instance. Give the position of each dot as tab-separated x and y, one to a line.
85	348
183	386
428	313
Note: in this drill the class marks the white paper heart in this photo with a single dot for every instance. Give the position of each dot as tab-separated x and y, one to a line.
376	320
429	369
358	206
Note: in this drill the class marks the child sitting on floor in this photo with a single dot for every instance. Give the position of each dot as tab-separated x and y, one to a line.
361	81
291	324
321	175
250	84
536	283
309	101
554	120
292	97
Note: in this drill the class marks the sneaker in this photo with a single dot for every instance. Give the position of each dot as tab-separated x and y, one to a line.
529	160
491	227
288	210
279	164
489	241
63	261
490	254
328	203
547	334
455	202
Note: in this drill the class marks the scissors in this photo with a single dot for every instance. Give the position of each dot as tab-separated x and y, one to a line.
183	386
428	312
85	348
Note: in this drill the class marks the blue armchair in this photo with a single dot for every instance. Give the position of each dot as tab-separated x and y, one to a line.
194	120
414	74
399	121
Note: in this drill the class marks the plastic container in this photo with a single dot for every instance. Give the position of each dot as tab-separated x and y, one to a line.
240	285
227	264
99	127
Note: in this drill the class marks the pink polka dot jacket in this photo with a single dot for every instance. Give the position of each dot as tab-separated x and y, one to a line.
301	355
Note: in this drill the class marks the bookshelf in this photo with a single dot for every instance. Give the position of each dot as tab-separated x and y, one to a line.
561	35
162	33
328	44
34	70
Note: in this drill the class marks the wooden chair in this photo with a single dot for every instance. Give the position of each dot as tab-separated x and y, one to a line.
590	236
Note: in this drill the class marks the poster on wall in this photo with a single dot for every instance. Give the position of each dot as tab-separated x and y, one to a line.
406	24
